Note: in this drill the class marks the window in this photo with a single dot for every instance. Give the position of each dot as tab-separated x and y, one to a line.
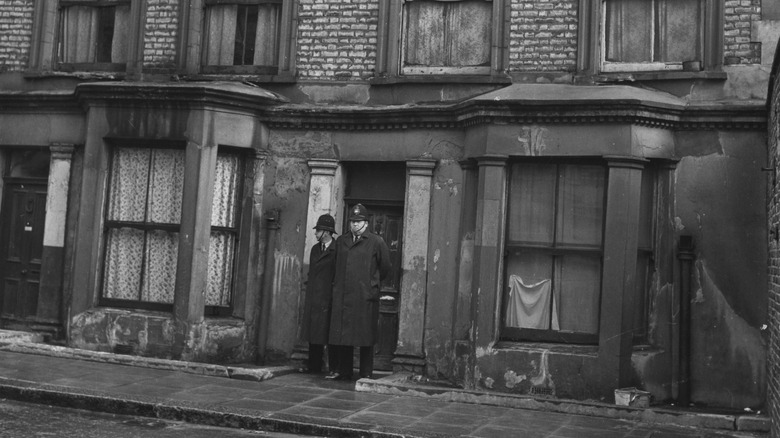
554	252
142	224
224	230
651	35
447	36
242	37
94	36
442	37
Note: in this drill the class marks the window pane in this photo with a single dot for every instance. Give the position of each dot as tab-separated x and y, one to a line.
529	286
226	179
470	23
127	188
160	266
221	34
629	30
679	30
221	253
166	186
532	203
578	286
268	32
124	255
79	31
581	205
425	33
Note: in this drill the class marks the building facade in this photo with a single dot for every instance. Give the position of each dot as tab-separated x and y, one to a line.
571	208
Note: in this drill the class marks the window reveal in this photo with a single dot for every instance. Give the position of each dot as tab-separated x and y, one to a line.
554	248
447	37
652	34
94	34
243	34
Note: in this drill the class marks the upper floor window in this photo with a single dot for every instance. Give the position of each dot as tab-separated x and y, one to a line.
239	37
93	35
447	37
441	37
652	35
242	36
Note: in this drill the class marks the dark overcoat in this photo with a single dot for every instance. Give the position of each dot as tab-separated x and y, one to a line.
319	288
360	268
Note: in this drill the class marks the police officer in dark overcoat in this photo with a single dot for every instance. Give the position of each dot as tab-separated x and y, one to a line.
362	262
319	288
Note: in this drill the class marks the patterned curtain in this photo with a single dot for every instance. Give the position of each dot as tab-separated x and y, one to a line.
222	243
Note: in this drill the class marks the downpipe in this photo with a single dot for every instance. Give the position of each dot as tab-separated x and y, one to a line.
686	256
272	230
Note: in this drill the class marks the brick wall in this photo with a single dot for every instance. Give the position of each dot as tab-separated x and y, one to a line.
543	35
773	214
739	16
160	34
15	34
337	39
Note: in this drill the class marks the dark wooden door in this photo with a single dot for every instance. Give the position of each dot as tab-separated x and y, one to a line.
21	247
387	222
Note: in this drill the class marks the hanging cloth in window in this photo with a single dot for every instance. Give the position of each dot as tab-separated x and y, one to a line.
530	305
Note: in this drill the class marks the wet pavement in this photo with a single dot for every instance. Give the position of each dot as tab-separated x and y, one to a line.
298	403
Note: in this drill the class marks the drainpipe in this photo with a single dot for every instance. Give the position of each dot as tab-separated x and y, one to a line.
686	256
272	228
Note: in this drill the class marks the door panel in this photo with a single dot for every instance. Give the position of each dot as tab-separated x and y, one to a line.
24	214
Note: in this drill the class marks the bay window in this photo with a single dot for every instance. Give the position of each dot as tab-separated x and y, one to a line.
554	252
142	225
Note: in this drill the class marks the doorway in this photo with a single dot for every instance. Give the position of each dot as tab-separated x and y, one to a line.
381	188
21	247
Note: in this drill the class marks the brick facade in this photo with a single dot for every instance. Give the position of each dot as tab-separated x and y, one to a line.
337	39
15	34
773	216
543	35
161	33
739	16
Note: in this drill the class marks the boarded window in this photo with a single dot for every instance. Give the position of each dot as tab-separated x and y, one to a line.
652	34
94	37
446	37
242	35
554	249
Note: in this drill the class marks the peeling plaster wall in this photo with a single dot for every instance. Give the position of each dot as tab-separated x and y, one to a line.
443	255
721	203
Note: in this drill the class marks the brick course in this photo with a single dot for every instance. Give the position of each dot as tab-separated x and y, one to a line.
161	32
773	217
739	15
15	34
337	39
543	35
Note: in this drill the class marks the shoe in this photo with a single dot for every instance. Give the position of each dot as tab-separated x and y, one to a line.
367	376
306	370
339	377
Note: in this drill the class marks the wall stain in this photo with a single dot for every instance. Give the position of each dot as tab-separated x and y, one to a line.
533	140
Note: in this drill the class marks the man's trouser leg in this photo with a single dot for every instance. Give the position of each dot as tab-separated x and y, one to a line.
367	362
315	358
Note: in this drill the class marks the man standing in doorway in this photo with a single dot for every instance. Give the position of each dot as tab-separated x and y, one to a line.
362	262
319	289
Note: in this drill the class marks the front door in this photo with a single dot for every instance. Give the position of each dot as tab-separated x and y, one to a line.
387	222
21	247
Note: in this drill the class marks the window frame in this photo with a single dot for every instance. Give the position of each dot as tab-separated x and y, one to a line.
111	224
517	334
193	31
590	43
390	46
44	54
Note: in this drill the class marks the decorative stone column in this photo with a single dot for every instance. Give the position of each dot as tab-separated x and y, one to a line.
324	198
52	258
409	354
